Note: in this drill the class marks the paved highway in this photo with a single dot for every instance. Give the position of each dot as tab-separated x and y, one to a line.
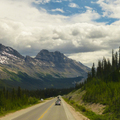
46	111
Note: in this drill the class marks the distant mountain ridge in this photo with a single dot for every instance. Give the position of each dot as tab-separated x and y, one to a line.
8	50
45	63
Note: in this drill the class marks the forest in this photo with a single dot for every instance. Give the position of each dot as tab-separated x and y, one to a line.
15	99
103	86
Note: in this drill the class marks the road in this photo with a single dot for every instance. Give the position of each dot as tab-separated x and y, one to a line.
46	111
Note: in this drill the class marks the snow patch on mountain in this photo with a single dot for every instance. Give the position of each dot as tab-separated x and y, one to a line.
9	55
8	49
4	59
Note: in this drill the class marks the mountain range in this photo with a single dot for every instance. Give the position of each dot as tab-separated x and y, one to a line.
46	69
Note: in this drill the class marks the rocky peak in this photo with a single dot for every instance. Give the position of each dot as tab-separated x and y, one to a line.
45	55
8	51
44	51
29	59
58	53
2	47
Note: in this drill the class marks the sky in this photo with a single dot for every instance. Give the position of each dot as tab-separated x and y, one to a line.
83	30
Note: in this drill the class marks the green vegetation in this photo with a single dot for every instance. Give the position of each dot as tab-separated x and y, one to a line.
40	82
15	99
91	115
102	86
98	91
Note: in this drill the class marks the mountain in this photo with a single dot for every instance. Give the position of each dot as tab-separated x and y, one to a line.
45	70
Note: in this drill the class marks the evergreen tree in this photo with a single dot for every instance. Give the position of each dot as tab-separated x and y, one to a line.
93	70
2	99
7	94
109	67
99	69
113	60
19	92
4	91
119	57
104	66
116	60
89	75
13	94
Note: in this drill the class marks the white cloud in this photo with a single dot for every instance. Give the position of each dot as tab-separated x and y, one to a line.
28	46
59	1
111	8
88	16
41	1
89	58
58	9
73	5
20	23
25	13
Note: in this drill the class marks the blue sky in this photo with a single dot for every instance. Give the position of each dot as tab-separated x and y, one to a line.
83	30
71	7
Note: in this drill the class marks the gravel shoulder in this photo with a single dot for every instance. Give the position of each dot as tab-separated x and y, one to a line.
77	115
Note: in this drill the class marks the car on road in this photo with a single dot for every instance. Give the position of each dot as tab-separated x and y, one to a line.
58	102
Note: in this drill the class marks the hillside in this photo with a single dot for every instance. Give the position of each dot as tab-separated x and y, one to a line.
47	69
101	90
75	98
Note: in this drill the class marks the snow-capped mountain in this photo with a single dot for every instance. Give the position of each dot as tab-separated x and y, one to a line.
8	55
45	63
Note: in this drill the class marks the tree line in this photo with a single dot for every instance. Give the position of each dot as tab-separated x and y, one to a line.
105	70
14	99
103	86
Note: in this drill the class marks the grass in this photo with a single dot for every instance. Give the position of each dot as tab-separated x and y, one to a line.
3	113
88	113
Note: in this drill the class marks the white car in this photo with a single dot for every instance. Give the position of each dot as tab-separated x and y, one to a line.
58	102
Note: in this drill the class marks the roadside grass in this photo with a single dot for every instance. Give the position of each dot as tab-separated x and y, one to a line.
88	113
4	112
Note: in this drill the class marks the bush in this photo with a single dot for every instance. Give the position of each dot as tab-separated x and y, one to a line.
72	102
81	108
32	100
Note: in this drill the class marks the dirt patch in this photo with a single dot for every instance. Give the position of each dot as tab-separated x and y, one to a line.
97	108
77	97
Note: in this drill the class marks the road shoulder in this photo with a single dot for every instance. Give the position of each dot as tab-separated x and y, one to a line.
77	115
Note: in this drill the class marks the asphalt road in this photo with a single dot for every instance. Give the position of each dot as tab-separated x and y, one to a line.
47	111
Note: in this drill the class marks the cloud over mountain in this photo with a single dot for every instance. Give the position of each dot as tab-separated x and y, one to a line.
68	28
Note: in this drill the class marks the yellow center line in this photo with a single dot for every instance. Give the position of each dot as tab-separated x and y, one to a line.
45	112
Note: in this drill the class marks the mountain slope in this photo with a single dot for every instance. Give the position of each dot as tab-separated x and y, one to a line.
46	64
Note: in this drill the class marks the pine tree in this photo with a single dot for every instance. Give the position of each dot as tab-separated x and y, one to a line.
93	70
7	94
116	60
19	92
89	75
109	66
4	91
113	60
104	66
2	99
119	57
99	69
13	94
